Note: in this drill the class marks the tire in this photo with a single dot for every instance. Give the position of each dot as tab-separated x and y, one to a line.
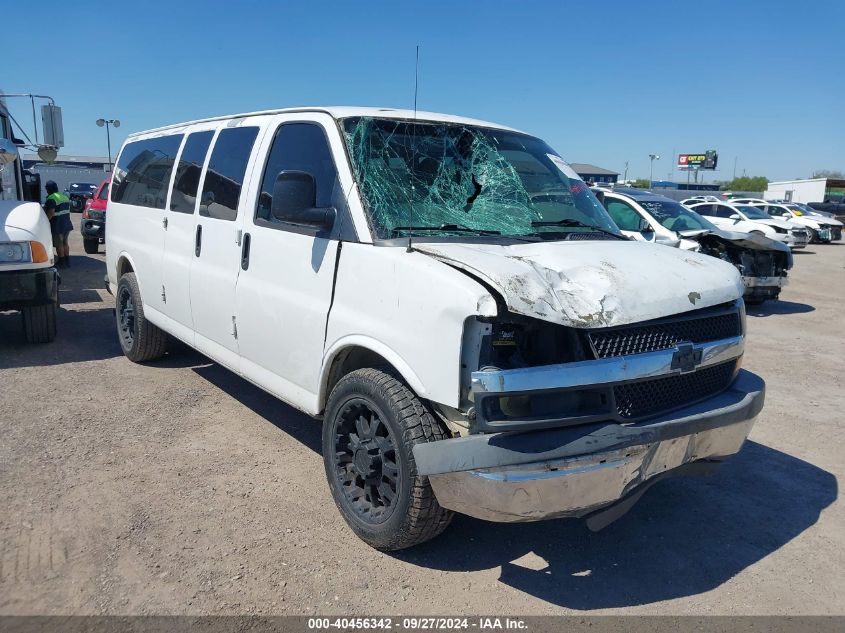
813	236
375	405
139	339
39	323
91	246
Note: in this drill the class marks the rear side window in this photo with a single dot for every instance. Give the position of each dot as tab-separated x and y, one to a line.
143	171
623	214
187	182
300	147
224	177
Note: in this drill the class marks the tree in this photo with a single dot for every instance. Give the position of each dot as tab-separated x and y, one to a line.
747	183
828	173
641	183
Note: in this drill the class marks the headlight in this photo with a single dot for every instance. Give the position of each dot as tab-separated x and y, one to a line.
779	229
22	253
15	253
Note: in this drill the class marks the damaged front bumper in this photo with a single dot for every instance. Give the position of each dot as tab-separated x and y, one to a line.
582	470
763	287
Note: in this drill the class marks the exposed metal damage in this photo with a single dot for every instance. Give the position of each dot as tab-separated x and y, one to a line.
577	285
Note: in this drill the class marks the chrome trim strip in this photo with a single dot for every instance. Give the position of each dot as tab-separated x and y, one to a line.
604	370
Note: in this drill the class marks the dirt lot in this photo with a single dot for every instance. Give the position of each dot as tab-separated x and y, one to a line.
177	487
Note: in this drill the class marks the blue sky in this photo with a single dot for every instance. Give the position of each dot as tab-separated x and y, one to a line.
602	82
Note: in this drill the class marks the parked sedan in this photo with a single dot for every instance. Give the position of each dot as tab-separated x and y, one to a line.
93	225
822	229
648	217
749	219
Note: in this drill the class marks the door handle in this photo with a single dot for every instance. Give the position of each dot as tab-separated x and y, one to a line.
245	251
198	241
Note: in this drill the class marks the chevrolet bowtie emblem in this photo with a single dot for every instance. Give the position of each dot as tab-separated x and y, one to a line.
686	357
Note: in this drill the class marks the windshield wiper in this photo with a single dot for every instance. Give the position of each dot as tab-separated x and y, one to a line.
455	228
575	223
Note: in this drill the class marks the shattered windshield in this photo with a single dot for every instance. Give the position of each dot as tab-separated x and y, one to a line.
675	216
436	178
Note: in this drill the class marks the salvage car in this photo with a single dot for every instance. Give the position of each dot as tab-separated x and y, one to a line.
93	225
29	282
79	193
447	296
744	218
821	229
762	262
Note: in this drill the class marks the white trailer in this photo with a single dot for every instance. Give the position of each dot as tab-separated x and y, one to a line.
806	191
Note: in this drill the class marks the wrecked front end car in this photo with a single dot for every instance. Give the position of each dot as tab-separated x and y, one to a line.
762	262
591	367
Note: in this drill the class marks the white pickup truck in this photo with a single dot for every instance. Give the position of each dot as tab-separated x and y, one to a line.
447	296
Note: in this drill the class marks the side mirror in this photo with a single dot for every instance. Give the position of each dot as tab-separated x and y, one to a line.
787	215
644	226
8	152
295	200
735	217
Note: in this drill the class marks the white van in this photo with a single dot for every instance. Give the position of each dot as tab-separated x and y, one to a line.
447	296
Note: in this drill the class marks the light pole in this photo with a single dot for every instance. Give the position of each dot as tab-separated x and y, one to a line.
652	158
107	123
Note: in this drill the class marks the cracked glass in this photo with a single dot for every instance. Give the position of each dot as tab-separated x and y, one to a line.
437	178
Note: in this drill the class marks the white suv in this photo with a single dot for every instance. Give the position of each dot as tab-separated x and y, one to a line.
750	219
446	295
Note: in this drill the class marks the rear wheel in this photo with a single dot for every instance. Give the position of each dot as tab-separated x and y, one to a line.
139	339
39	323
372	423
91	246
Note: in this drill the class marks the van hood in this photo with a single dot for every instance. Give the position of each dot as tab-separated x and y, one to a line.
589	284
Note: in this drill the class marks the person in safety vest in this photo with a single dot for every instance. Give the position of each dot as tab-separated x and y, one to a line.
58	210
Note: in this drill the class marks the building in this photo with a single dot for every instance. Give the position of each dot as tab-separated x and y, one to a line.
592	173
67	169
808	190
80	162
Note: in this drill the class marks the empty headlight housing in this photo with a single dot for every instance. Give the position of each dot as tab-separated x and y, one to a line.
15	253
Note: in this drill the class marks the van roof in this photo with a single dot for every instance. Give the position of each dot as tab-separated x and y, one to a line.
342	112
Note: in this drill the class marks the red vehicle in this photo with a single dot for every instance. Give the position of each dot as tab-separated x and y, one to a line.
93	225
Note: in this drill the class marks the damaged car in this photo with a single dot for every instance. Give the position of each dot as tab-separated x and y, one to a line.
641	215
446	296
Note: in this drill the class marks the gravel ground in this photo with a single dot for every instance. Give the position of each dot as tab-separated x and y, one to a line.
178	488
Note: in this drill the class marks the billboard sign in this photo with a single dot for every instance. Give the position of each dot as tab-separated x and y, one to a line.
705	160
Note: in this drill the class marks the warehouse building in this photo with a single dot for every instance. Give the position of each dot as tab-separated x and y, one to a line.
592	173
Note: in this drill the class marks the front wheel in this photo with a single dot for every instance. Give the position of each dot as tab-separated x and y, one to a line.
813	236
91	246
372	423
139	339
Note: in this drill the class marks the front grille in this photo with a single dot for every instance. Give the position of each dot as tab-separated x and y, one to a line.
836	232
664	335
659	395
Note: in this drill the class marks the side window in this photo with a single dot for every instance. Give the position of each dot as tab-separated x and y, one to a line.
300	147
187	181
143	171
705	209
725	212
224	178
623	215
